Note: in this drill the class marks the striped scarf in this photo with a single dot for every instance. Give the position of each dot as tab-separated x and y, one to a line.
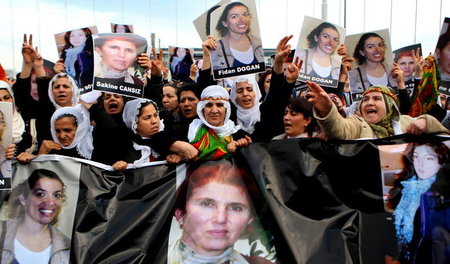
426	95
210	145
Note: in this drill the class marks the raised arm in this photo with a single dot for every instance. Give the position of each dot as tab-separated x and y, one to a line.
282	52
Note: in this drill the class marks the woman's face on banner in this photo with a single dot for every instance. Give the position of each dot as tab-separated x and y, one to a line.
121	29
245	95
216	215
328	40
148	121
238	20
77	37
44	201
117	55
214	112
426	162
407	65
444	58
65	129
374	48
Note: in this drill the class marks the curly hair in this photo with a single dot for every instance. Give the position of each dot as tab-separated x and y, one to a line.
312	43
221	29
360	46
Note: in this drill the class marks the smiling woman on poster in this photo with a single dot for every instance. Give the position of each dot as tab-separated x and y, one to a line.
237	47
118	53
213	209
30	236
320	59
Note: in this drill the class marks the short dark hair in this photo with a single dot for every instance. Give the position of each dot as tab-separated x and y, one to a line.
360	46
312	43
221	29
301	105
190	86
443	40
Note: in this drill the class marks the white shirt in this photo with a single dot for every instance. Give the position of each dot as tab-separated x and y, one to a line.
26	256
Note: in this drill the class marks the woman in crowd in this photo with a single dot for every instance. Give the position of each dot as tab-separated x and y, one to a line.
320	60
380	118
148	142
369	53
30	235
299	121
443	56
20	130
237	46
180	64
118	53
264	83
77	55
213	209
422	162
212	133
170	99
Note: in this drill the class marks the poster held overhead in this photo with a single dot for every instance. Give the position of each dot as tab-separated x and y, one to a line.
116	69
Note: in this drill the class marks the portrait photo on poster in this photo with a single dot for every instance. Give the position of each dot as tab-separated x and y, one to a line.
239	50
405	58
43	196
180	61
216	217
442	54
373	61
6	138
76	52
318	46
121	28
115	63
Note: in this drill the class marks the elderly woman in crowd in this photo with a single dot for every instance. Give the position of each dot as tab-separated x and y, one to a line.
30	234
213	209
72	135
212	133
148	142
380	116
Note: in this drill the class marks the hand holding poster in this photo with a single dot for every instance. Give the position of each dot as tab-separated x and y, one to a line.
235	27
75	50
116	69
318	46
407	59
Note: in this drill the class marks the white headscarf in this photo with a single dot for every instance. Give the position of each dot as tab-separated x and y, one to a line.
247	118
130	117
83	140
75	90
213	92
18	126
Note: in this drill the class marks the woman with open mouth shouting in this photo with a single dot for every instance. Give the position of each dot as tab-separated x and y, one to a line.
30	236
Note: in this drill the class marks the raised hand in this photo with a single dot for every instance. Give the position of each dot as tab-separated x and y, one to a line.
29	54
282	52
319	98
291	72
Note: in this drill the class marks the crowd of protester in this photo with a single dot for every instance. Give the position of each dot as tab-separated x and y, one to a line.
194	118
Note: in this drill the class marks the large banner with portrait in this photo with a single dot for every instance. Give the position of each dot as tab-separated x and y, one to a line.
116	69
235	26
76	52
287	201
317	46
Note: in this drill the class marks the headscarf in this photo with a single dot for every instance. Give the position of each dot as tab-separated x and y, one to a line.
384	128
247	117
130	116
75	90
18	125
83	140
213	92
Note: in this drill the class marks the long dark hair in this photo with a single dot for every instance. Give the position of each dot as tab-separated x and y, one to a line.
360	46
312	43
221	29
